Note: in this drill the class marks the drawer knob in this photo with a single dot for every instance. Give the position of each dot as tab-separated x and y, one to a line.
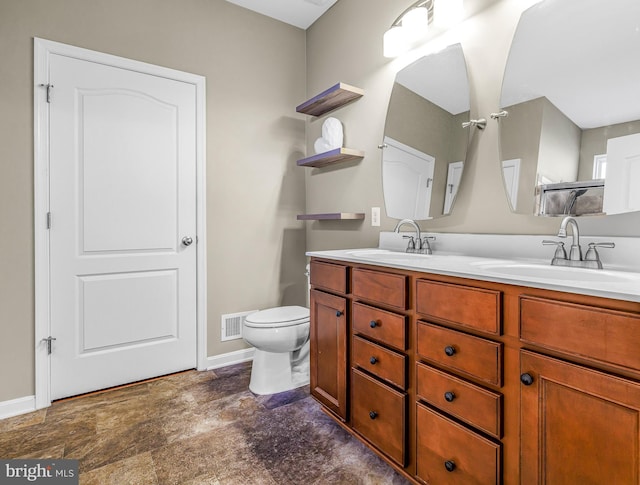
526	379
449	465
449	350
373	324
373	360
373	414
449	396
339	313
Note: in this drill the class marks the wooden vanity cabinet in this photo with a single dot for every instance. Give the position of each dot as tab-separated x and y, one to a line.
379	376
579	422
328	363
453	380
577	425
459	420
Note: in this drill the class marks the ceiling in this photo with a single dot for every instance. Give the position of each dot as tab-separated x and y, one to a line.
299	13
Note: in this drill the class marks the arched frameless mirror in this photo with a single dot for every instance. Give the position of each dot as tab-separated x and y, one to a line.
570	143
425	145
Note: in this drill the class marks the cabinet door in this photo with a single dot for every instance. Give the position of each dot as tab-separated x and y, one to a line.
577	425
328	347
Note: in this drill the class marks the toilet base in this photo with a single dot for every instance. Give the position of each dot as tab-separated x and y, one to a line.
274	372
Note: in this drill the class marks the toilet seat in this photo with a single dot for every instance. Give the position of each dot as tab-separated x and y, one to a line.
285	316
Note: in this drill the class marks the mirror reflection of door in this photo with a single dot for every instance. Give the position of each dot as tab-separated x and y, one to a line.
623	172
511	176
454	174
407	181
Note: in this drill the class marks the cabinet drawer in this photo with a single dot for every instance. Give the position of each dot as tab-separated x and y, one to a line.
378	414
608	336
386	364
463	305
447	452
474	356
376	286
332	277
468	402
386	327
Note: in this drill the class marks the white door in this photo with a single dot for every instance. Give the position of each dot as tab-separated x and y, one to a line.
454	174
623	174
407	181
511	179
123	207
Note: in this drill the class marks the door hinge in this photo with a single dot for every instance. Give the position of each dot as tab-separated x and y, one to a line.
49	88
48	220
49	340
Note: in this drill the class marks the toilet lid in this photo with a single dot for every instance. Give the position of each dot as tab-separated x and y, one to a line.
283	316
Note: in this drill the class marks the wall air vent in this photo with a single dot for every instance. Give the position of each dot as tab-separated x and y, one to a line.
232	325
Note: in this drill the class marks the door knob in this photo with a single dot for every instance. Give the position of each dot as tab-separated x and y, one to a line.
187	241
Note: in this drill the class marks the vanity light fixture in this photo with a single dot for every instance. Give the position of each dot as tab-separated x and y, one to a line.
412	25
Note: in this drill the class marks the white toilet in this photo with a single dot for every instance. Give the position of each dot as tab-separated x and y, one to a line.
281	339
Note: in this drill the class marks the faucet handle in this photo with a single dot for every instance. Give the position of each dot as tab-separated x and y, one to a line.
592	252
561	252
425	247
411	245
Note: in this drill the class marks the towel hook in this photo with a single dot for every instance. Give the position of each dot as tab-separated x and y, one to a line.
480	124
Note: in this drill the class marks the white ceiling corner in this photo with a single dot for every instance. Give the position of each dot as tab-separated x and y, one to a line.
299	13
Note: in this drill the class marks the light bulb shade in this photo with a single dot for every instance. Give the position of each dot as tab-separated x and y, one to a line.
416	23
447	12
395	42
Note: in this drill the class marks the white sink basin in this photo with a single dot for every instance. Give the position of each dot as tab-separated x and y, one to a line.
560	273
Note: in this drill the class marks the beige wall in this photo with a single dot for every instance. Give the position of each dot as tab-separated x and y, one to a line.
559	145
255	71
346	45
520	139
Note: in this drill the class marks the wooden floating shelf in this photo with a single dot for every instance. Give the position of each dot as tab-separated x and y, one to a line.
332	156
333	98
332	216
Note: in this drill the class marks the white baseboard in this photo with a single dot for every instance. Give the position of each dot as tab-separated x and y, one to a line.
14	407
230	358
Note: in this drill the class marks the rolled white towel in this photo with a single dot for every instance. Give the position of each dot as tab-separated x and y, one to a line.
332	133
321	145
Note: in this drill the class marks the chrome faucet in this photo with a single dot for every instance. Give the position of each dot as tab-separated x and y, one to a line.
411	246
591	260
419	244
575	254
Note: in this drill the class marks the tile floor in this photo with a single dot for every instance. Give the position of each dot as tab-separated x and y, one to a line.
195	428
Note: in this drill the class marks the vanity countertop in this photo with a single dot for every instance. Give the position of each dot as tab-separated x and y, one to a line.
536	273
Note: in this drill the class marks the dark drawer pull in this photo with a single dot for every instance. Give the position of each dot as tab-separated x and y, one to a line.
339	313
373	414
526	379
449	350
449	396
373	360
373	324
449	465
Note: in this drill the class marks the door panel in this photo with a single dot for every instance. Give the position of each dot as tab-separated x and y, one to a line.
144	158
124	309
122	197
